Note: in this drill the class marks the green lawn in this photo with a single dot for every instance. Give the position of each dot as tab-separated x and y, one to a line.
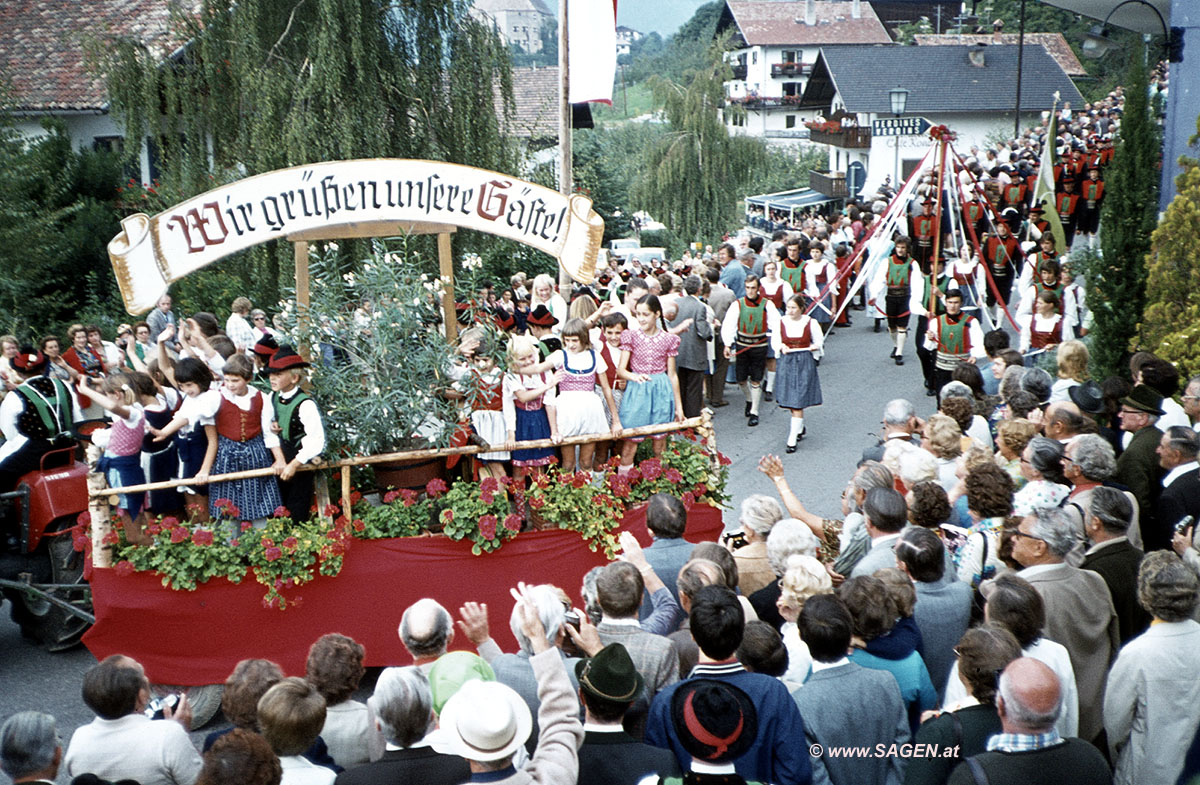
631	101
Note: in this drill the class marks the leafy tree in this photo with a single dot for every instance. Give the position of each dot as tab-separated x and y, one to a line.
56	215
1171	322
693	177
1117	283
266	84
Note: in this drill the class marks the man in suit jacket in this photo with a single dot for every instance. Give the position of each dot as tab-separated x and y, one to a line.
1079	608
608	686
1114	558
29	748
1138	468
692	362
1177	451
666	520
720	297
886	514
403	709
619	588
845	704
943	609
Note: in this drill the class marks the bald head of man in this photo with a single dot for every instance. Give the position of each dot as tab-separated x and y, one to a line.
1063	420
426	630
1030	698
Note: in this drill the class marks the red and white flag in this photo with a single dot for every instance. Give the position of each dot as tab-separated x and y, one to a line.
592	49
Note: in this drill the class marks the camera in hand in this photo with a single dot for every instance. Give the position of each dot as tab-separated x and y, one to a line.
1184	524
155	709
571	619
734	540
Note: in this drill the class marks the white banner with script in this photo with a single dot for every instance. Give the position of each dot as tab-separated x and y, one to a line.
150	253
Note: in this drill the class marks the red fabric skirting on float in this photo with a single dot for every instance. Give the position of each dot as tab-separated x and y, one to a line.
197	637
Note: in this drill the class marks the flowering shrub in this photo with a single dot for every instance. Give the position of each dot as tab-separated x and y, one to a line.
570	501
477	512
285	554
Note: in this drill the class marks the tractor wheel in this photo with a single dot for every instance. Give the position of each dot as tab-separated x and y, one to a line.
43	621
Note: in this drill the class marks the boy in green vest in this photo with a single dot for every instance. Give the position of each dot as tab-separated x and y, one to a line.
301	432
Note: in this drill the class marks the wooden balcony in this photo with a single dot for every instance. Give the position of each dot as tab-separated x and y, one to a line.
828	183
739	71
790	69
847	138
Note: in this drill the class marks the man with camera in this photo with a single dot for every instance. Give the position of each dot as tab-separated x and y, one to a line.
124	741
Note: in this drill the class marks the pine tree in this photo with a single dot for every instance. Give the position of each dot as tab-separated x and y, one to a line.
693	176
1117	281
266	84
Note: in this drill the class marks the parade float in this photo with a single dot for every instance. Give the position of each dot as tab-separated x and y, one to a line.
202	597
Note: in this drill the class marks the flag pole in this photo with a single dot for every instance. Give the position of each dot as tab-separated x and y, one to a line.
565	175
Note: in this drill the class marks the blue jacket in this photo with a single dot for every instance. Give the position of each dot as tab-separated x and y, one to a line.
779	755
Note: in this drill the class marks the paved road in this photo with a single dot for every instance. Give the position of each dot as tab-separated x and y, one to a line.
857	379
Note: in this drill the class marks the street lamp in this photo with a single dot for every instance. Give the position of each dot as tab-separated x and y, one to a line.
899	98
1097	41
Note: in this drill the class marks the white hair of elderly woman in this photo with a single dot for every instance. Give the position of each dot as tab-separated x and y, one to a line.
759	513
789	536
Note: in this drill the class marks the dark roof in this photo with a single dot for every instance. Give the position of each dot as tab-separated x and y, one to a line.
774	23
535	106
41	47
1054	43
939	78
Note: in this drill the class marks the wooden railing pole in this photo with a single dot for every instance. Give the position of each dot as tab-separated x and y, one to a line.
417	455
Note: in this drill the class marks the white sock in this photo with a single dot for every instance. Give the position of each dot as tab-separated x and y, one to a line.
770	381
755	397
794	431
901	337
622	470
745	389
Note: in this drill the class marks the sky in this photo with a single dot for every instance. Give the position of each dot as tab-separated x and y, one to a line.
656	16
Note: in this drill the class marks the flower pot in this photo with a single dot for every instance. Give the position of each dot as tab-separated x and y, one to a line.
413	475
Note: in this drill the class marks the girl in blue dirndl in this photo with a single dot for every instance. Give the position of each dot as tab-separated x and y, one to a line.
245	441
648	365
799	344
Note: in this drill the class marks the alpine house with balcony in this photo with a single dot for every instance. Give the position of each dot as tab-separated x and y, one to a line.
774	46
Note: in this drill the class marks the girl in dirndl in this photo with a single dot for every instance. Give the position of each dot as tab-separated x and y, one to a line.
487	411
196	439
121	463
245	441
778	291
648	365
820	273
529	407
580	411
798	345
160	461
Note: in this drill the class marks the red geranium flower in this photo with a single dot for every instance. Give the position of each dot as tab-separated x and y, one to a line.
355	497
391	496
486	496
290	543
435	487
688	499
271	554
537	502
170	522
447	516
331	510
245	525
541	480
673	475
280	512
409	497
358	525
651	468
111	538
489	484
153	529
178	535
487	526
84	518
512	522
80	542
579	479
723	458
202	537
700	489
123	568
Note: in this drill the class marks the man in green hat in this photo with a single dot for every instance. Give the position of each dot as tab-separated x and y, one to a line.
608	685
1138	468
